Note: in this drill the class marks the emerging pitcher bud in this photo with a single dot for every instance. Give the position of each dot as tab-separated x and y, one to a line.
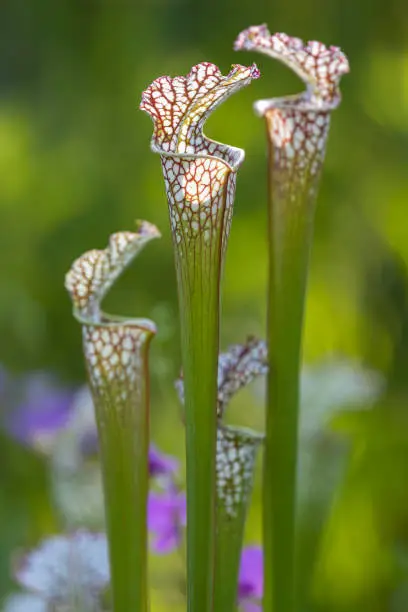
236	454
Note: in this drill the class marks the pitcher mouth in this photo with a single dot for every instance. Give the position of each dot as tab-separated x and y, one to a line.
143	324
232	157
113	321
298	102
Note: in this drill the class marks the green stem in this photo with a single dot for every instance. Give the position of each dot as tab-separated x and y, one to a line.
228	555
200	217
292	195
121	398
198	270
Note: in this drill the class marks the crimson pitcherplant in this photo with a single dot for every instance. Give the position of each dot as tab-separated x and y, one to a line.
297	129
200	178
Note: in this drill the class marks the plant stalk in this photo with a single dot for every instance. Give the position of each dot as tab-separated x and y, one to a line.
290	226
199	176
121	398
198	283
229	546
297	128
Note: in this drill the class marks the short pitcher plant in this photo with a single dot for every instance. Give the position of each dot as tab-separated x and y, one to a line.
116	354
200	180
236	453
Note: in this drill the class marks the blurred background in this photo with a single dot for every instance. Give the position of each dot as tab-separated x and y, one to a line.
75	166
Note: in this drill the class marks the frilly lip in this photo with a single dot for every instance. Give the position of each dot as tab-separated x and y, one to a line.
93	274
320	67
237	368
179	107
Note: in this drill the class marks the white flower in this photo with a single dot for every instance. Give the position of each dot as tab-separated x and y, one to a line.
332	385
325	389
23	602
329	386
66	568
75	472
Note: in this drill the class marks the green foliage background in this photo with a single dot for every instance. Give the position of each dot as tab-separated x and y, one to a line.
75	166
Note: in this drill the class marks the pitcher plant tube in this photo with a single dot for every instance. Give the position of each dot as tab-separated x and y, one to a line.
235	463
296	128
200	177
236	459
116	354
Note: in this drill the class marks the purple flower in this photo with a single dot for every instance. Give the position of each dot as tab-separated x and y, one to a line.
166	517
250	581
38	408
161	464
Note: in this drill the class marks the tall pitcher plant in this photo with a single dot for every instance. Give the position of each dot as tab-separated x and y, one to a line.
200	177
296	128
